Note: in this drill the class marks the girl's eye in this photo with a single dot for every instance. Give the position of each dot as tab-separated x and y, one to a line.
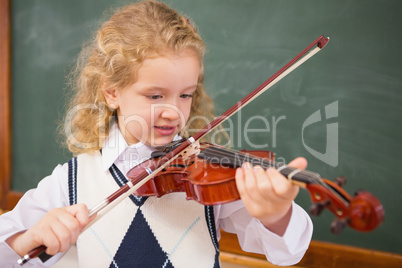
185	96
154	97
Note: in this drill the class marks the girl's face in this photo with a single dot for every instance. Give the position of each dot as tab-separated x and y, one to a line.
156	107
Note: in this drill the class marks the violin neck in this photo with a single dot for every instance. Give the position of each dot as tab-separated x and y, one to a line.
235	159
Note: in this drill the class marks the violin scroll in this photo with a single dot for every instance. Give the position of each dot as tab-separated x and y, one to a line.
366	212
363	212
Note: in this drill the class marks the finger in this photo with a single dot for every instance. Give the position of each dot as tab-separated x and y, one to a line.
241	186
300	163
51	242
263	182
81	214
239	177
249	178
72	225
281	186
42	234
63	234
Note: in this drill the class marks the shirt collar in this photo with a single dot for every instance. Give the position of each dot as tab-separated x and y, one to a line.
116	148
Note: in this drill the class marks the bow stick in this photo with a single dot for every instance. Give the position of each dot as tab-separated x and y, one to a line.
156	166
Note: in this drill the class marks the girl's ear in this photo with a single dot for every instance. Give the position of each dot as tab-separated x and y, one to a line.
111	98
110	95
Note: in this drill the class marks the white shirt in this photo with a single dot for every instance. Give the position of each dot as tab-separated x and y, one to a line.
52	192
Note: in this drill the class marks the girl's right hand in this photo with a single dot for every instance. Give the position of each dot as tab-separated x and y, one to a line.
57	230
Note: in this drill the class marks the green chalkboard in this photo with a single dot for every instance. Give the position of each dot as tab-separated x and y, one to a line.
341	109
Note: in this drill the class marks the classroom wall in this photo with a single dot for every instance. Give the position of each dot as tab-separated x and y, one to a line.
341	109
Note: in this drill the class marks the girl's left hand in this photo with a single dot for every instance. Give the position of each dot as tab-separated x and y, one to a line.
268	195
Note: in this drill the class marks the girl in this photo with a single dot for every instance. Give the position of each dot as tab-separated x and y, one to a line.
140	85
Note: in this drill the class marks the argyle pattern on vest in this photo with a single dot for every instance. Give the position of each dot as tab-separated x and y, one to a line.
158	233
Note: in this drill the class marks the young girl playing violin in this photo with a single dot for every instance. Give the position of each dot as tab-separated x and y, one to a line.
140	85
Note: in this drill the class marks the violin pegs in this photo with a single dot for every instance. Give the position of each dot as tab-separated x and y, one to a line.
338	225
316	209
340	181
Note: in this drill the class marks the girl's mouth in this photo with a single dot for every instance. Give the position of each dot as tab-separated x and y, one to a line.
165	130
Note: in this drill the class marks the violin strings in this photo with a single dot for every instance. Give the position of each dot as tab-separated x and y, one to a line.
238	158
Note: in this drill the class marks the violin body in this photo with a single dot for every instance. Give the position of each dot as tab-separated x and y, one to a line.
204	182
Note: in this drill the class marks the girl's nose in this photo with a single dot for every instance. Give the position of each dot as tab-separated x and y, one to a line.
170	111
170	114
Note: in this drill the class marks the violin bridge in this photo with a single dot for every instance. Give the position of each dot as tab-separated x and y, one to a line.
192	149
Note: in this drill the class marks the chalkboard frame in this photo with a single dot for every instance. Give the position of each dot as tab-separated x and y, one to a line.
8	198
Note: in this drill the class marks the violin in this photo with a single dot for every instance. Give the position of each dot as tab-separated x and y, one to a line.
176	170
206	173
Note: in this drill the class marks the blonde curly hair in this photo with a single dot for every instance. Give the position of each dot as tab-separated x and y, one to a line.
132	34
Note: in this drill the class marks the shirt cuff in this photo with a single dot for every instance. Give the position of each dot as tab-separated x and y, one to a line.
9	257
290	248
